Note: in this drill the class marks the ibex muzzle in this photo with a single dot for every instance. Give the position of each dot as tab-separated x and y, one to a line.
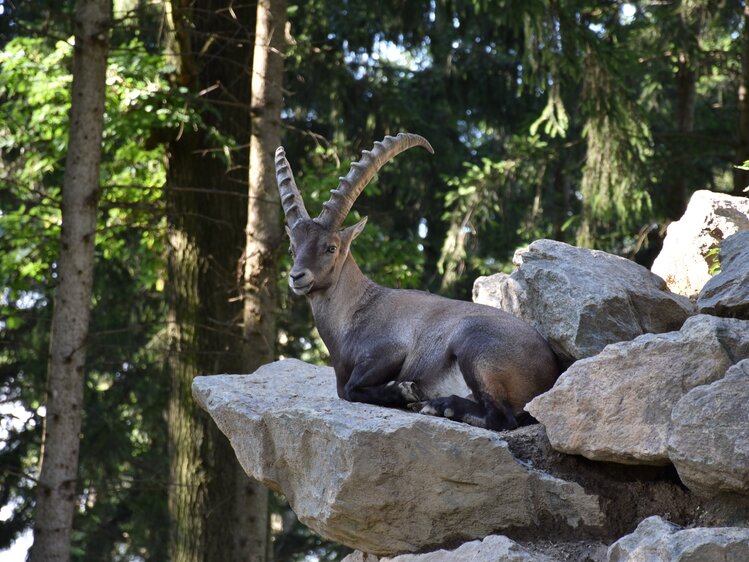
401	348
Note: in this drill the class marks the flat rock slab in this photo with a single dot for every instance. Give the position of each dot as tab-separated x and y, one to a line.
582	300
384	481
657	540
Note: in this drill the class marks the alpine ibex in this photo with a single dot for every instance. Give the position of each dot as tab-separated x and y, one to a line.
405	348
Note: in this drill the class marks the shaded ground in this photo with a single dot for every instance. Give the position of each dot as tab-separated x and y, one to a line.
572	551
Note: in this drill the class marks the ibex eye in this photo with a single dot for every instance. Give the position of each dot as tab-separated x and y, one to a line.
331	249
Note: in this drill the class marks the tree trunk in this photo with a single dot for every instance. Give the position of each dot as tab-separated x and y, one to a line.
210	500
688	34
686	100
741	177
264	208
562	197
56	491
263	232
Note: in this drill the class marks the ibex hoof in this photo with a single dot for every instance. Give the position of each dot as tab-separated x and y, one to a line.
440	407
409	391
417	406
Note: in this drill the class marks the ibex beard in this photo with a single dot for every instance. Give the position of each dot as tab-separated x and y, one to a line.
404	348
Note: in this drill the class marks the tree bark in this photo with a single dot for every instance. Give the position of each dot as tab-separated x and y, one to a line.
210	501
263	232
56	491
741	177
686	101
688	34
264	207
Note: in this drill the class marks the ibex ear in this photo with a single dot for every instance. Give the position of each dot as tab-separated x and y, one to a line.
351	232
348	234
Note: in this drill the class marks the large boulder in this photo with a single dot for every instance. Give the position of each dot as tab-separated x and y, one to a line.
617	405
381	480
657	540
709	436
727	293
582	300
689	247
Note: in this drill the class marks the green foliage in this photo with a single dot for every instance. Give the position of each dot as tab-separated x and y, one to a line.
618	141
122	475
492	213
712	258
474	202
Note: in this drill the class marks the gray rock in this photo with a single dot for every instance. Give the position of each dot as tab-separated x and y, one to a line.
687	254
727	293
582	300
381	480
617	405
709	436
657	540
494	548
359	556
497	290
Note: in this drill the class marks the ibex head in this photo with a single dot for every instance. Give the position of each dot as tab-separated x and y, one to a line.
318	246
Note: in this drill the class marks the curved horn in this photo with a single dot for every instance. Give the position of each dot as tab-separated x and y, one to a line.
349	187
291	200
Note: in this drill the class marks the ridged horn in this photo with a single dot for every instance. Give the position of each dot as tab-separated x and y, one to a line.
291	200
352	184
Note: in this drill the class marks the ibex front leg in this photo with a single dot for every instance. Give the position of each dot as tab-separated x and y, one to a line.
373	381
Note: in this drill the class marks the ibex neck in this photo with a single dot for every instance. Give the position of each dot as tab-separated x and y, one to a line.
334	308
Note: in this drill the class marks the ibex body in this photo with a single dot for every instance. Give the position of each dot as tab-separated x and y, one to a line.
401	348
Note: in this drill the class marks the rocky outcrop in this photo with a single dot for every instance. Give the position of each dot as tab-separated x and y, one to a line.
709	435
388	481
382	480
582	300
689	247
617	405
657	540
650	419
727	293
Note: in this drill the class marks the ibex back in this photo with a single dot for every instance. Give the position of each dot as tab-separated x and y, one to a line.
402	348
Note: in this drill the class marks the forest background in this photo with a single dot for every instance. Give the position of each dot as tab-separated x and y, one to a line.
583	121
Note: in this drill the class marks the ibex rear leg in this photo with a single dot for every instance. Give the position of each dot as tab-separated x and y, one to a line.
480	414
490	408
